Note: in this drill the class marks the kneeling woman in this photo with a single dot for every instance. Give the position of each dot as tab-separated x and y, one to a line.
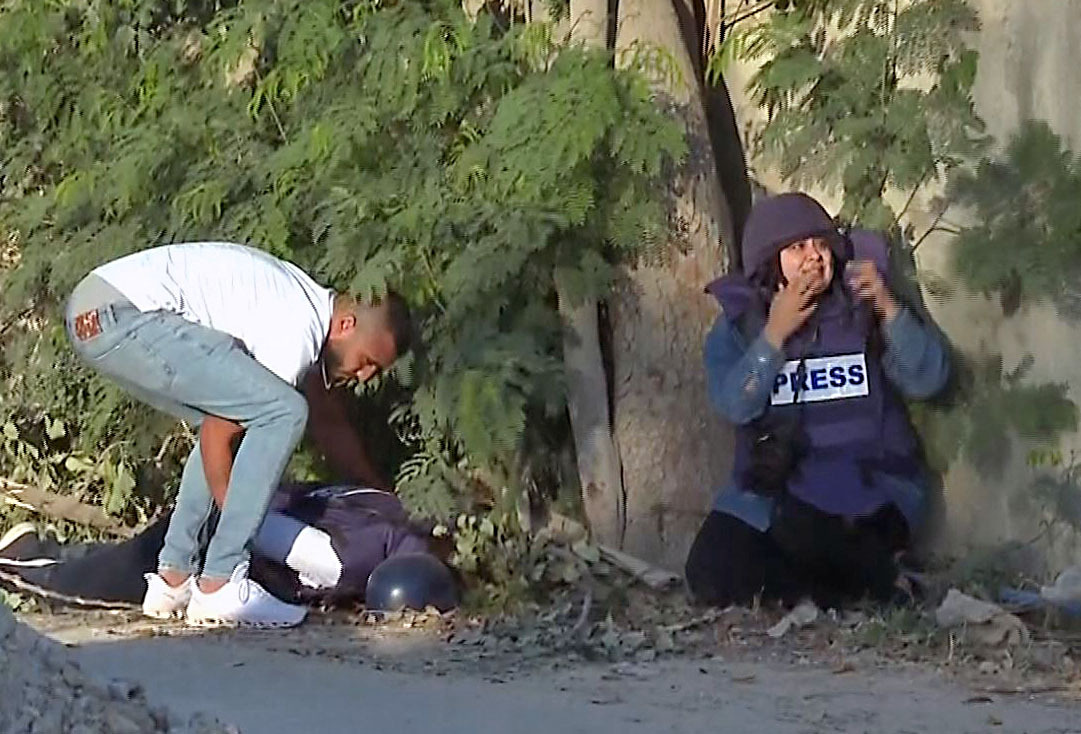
809	360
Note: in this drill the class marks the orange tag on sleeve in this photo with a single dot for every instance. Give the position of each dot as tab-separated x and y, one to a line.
87	325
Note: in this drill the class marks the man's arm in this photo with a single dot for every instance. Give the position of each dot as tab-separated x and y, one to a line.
335	437
217	438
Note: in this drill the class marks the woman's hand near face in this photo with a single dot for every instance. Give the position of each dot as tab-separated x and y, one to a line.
791	307
867	285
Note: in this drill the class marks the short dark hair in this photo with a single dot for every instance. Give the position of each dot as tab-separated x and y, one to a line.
398	320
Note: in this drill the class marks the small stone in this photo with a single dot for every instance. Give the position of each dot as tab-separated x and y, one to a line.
49	652
124	690
95	688
160	716
7	622
51	722
200	723
645	655
25	722
72	675
1048	656
122	722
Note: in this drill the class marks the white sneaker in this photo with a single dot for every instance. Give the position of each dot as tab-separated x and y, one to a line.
241	603
313	558
163	601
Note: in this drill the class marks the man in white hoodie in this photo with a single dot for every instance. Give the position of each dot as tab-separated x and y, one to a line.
246	346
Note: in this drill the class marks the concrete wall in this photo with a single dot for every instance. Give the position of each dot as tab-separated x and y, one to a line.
1030	68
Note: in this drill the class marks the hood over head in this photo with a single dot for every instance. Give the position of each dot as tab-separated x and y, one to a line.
778	221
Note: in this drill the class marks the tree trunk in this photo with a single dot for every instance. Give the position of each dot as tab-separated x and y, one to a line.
599	468
587	382
589	22
674	451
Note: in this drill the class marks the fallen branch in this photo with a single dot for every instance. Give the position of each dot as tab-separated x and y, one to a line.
650	575
583	617
62	507
568	530
565	529
1025	690
708	618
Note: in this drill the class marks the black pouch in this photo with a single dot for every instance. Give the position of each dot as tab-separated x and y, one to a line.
777	448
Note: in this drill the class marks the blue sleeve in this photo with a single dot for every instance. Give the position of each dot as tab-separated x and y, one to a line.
915	360
740	378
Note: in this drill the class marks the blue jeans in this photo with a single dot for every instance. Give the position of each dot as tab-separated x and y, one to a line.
190	371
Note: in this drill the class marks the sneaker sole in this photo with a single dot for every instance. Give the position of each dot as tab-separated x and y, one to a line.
215	623
164	616
15	533
29	563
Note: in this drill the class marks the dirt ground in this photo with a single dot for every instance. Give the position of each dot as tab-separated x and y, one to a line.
715	672
44	691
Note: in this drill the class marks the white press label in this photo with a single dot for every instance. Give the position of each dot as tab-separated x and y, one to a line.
823	378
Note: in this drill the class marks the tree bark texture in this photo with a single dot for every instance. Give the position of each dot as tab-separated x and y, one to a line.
675	453
589	22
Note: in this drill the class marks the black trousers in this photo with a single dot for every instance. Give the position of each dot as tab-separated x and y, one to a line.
113	572
110	572
805	553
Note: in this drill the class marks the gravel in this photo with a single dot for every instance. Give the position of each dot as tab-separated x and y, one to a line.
42	691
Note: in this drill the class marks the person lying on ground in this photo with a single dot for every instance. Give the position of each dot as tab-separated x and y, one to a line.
319	544
810	359
247	347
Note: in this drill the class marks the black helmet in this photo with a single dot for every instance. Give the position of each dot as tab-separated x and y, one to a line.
413	581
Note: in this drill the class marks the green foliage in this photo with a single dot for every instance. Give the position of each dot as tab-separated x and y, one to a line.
375	144
44	469
1024	243
849	106
988	409
16	602
907	626
1057	489
507	567
497	556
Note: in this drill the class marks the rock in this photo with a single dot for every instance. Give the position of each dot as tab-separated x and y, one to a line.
984	623
7	622
56	697
200	723
71	674
119	722
957	609
1049	655
646	655
160	715
804	613
51	722
124	690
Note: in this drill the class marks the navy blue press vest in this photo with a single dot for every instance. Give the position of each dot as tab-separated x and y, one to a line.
833	384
